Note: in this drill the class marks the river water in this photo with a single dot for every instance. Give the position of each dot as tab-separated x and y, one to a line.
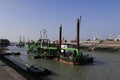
105	67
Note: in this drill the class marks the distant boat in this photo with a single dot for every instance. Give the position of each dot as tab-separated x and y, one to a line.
21	43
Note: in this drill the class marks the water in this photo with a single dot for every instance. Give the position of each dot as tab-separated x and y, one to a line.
105	67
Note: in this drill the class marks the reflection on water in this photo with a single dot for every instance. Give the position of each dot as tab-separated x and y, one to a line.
105	67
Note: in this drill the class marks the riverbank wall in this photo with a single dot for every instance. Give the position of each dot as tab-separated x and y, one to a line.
100	45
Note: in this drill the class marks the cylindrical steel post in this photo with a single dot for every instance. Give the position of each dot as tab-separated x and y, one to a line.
78	32
78	27
60	37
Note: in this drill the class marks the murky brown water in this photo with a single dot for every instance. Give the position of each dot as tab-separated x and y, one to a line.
105	67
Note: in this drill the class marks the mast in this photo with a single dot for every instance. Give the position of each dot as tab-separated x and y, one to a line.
23	39
19	38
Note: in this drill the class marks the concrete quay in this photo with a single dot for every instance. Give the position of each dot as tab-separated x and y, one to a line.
101	45
7	73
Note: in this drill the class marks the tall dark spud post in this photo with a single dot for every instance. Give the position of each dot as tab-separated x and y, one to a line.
60	37
78	32
78	27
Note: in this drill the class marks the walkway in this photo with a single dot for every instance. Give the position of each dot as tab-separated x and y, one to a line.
7	73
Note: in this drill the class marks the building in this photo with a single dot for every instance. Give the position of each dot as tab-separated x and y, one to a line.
4	42
118	38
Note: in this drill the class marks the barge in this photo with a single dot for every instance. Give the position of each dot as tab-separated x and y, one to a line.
29	72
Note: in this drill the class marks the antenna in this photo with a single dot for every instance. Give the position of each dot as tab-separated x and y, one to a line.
23	38
19	38
44	33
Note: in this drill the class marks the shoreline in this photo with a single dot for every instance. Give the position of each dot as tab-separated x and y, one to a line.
100	45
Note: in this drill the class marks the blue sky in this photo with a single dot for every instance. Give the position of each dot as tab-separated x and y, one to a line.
100	18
